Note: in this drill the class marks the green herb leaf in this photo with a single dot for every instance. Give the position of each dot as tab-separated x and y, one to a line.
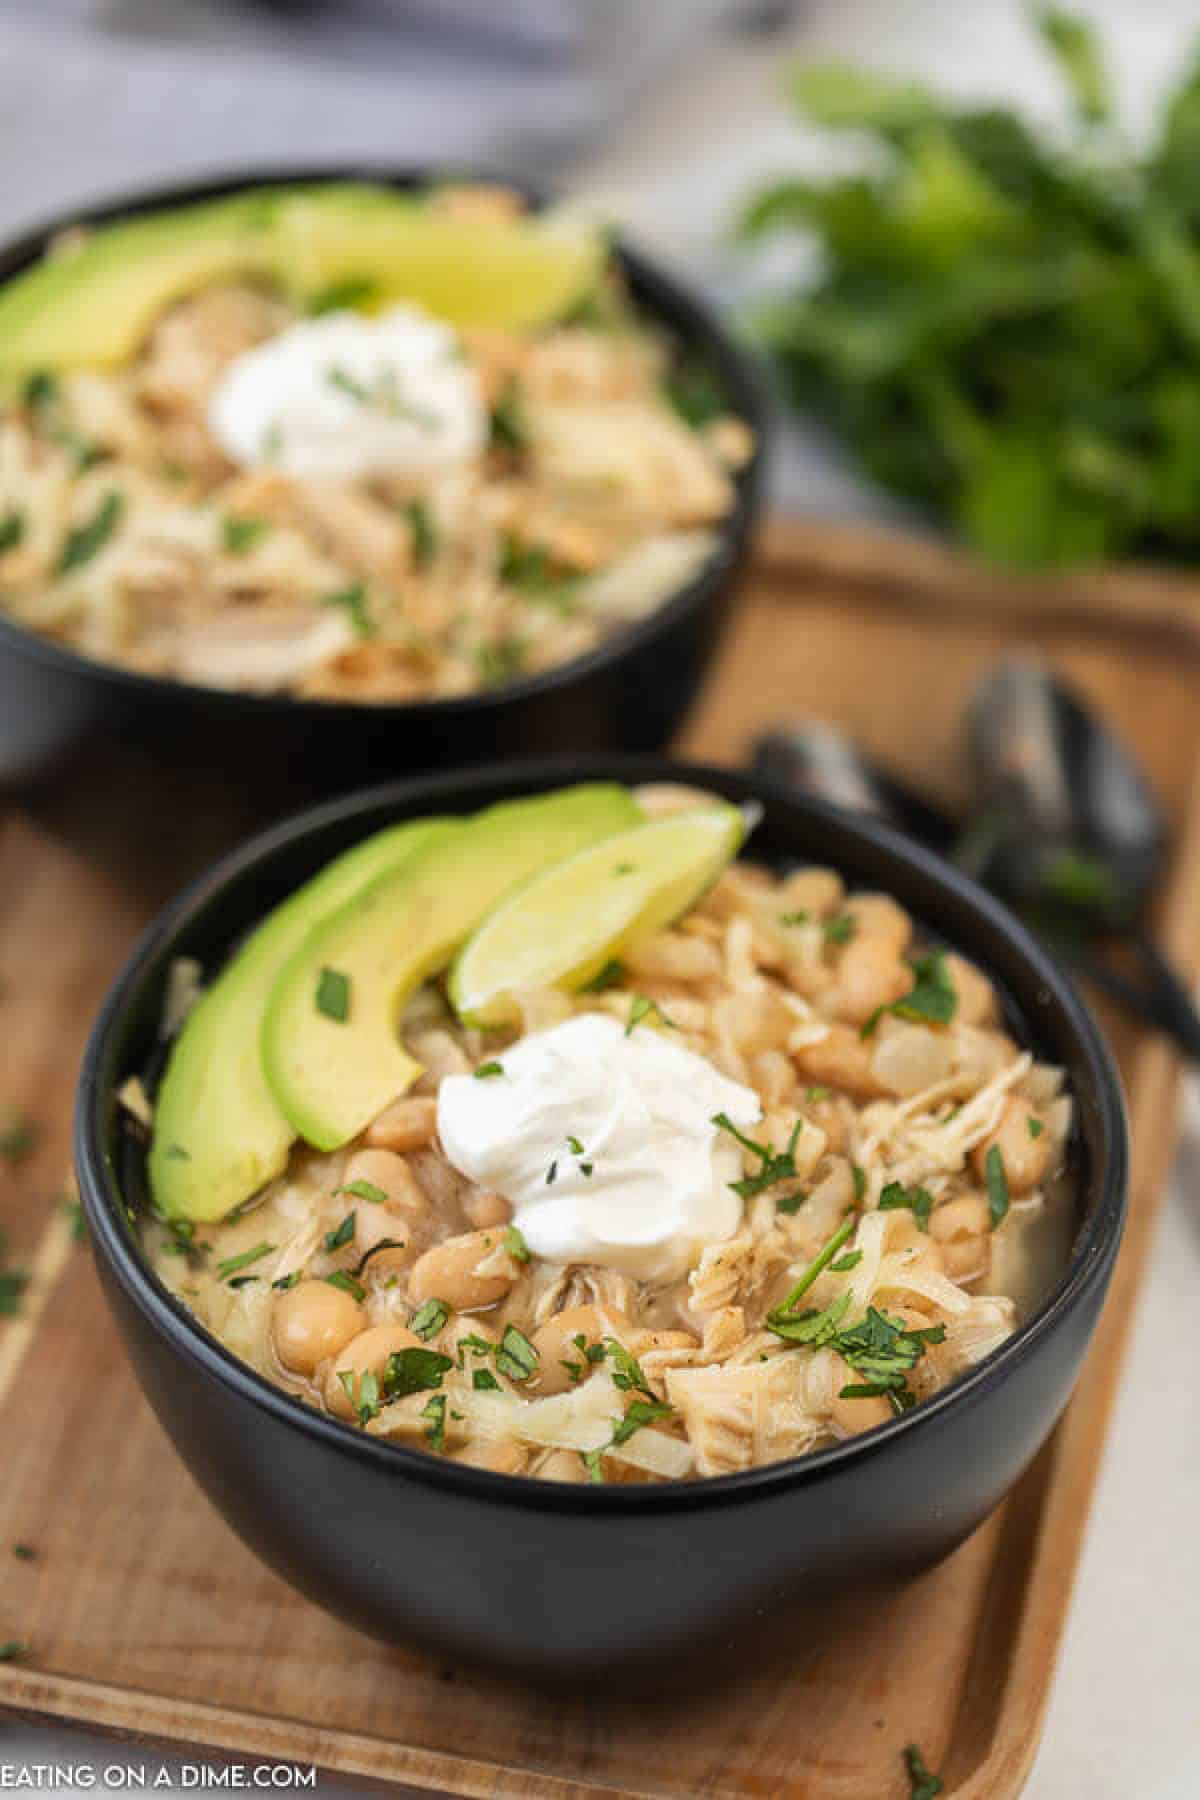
921	1784
694	391
840	929
643	1008
84	542
13	1283
515	1244
531	569
435	1411
817	1266
484	1382
288	1281
365	1400
74	1212
12	1650
608	977
800	917
342	1278
776	1165
428	1319
501	661
509	430
515	1355
232	1264
627	1371
342	1234
996	1180
844	1264
364	1190
637	1414
859	1176
12	529
1036	1127
18	1135
410	1371
488	1071
40	390
353	600
333	995
932	999
24	1552
424	532
239	535
918	1200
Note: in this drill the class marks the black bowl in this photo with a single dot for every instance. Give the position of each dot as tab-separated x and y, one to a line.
555	1581
629	693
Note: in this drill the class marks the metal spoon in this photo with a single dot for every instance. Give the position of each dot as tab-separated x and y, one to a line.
1067	828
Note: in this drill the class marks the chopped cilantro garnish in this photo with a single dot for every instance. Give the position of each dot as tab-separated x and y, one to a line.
1036	1127
484	1382
501	661
819	1263
694	392
428	1320
232	1264
515	1355
83	543
840	929
637	1414
859	1176
354	600
775	1165
996	1179
239	535
13	1650
366	1401
509	430
287	1281
13	1283
424	532
515	1244
341	1278
921	1784
435	1411
627	1371
12	530
814	1095
488	1071
608	977
918	1200
844	1264
932	999
386	1243
40	389
364	1190
241	1281
18	1135
333	995
575	1146
342	1234
410	1371
641	1008
799	917
24	1552
74	1212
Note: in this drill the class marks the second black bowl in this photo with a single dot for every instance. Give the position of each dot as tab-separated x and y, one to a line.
628	693
554	1580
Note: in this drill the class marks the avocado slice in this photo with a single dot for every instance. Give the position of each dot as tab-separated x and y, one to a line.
92	304
568	921
218	1133
329	1040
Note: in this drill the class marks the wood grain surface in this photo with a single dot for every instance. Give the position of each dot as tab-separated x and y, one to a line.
143	1614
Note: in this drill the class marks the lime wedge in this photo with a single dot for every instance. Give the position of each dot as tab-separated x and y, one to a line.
509	274
564	925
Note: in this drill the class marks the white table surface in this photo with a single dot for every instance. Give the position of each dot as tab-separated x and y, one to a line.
1124	1717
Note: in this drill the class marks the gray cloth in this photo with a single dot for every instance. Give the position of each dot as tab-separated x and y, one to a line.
103	96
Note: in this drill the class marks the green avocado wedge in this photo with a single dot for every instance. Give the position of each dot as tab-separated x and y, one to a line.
218	1133
567	922
330	1047
92	303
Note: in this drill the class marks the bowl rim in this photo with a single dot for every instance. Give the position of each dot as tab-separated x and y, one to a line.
667	299
1092	1254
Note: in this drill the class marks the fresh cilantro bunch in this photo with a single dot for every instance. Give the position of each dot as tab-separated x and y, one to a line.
1005	329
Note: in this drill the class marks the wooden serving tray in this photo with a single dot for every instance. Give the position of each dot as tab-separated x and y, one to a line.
144	1614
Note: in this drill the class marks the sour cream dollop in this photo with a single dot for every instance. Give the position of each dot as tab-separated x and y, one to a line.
347	397
604	1142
